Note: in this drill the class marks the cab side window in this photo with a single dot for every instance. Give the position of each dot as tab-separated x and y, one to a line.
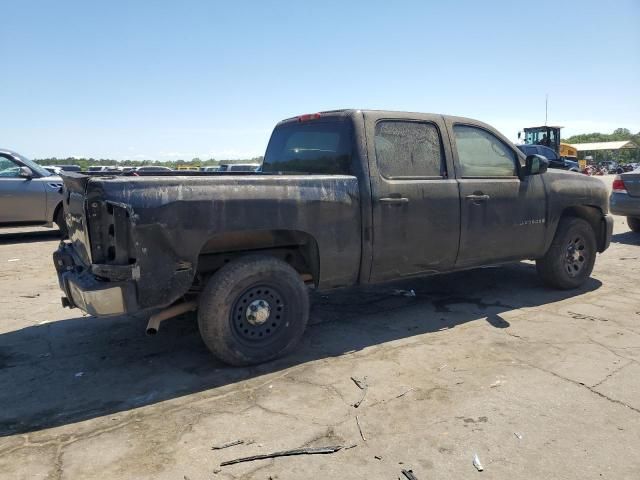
406	149
482	154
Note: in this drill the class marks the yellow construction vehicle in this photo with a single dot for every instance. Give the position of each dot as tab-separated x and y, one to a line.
568	152
549	136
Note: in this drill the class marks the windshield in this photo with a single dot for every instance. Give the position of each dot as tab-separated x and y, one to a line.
41	171
310	147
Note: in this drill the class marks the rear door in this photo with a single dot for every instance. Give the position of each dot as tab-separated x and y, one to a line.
22	200
415	205
502	217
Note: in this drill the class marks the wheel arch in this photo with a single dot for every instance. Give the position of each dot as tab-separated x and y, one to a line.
299	249
56	209
594	216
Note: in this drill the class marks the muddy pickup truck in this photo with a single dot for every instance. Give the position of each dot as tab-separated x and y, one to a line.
343	198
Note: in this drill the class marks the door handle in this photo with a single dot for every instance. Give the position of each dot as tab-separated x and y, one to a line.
394	200
478	198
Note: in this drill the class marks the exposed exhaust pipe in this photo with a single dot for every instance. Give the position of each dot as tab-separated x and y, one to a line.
154	322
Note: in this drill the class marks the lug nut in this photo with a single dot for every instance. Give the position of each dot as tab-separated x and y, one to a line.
253	308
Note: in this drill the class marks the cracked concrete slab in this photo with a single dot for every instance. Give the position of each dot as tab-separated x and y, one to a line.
623	384
459	369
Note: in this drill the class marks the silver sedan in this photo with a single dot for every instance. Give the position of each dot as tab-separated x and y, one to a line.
29	194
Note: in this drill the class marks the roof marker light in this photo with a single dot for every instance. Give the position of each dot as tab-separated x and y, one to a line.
308	116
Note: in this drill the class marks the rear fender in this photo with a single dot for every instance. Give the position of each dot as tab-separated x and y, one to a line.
297	248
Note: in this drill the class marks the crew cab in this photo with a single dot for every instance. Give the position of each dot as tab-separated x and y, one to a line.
343	198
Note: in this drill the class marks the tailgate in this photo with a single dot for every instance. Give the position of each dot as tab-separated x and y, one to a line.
632	183
75	185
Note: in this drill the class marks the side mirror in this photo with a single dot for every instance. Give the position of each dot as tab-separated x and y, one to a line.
26	172
535	165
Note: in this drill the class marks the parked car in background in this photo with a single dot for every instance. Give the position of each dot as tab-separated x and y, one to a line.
102	168
29	193
625	167
153	168
625	198
52	169
549	154
609	166
69	168
239	167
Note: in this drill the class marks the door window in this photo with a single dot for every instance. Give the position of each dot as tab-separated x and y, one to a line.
8	168
482	154
408	149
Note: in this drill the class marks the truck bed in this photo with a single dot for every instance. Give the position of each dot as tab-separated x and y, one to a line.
189	218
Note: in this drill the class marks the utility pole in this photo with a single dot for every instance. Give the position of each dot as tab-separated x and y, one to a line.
546	108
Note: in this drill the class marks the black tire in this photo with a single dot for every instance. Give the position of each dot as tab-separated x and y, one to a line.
634	223
240	336
569	261
60	222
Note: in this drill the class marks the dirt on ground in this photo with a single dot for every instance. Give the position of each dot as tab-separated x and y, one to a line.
538	383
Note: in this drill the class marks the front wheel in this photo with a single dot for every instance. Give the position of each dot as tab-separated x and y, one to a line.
569	261
253	310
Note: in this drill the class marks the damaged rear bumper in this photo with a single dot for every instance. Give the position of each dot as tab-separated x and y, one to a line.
100	290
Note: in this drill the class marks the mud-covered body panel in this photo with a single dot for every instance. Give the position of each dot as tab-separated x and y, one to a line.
170	219
566	190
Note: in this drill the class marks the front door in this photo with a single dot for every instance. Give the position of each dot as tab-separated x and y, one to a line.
502	216
21	199
415	205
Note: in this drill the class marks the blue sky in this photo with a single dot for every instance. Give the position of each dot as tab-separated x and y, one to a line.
167	79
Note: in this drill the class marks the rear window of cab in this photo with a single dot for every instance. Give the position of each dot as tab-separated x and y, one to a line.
310	147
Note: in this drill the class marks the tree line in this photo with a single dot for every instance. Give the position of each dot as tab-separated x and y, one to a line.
619	134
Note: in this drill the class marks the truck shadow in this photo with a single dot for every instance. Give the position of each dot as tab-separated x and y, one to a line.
73	370
11	236
626	238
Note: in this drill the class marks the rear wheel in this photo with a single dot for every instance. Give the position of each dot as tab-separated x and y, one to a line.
570	258
62	225
634	223
252	310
